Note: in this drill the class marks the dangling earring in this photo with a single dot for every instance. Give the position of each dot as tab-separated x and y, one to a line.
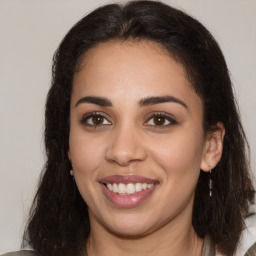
72	173
73	182
210	183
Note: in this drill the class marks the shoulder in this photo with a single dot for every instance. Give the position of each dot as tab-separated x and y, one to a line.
21	253
247	245
251	251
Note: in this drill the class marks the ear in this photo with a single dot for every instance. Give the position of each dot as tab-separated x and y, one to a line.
213	148
69	156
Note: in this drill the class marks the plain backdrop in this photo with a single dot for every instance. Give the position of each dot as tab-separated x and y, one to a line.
30	31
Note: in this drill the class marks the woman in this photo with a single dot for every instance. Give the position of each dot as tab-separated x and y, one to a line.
145	150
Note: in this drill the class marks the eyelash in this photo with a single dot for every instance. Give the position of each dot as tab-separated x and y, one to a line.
166	117
86	119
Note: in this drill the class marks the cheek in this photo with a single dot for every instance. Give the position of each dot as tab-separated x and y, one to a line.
86	153
179	156
179	159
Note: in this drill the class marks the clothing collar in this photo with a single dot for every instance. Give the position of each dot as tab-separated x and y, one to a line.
208	247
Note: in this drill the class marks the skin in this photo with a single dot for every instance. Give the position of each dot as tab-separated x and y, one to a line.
130	142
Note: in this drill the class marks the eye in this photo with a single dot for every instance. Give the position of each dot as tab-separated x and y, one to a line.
95	119
160	120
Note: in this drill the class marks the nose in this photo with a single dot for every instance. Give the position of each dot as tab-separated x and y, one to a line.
125	147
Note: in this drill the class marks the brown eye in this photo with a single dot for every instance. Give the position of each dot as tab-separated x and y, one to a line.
97	120
159	120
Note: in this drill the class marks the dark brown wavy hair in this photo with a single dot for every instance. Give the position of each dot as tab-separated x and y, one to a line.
59	223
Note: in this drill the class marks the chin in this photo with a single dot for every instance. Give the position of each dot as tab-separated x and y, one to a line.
131	232
130	226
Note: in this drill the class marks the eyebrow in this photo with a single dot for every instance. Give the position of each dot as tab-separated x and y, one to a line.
104	102
161	99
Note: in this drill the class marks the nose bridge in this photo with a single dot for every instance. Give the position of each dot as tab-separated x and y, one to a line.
125	145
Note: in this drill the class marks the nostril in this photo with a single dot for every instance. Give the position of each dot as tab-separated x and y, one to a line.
125	157
125	146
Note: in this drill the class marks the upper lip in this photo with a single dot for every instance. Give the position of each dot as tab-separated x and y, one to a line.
125	179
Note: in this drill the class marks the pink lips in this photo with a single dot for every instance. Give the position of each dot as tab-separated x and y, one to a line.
127	201
127	179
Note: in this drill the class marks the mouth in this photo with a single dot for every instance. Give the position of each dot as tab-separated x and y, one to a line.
127	191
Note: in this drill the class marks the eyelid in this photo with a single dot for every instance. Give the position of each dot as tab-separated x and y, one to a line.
95	113
165	115
151	115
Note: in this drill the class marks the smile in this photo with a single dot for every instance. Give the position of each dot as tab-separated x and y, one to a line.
127	191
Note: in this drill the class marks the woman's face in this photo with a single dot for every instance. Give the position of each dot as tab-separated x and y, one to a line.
136	138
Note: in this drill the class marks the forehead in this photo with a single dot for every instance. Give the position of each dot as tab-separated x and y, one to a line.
131	69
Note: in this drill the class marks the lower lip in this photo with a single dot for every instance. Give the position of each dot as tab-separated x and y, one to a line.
127	201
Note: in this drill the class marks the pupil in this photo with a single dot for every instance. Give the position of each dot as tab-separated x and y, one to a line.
97	120
158	120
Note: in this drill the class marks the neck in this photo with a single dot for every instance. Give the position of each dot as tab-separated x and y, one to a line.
173	239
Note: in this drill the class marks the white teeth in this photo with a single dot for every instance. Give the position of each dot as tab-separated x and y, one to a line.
144	186
138	187
121	188
110	187
150	185
115	188
128	189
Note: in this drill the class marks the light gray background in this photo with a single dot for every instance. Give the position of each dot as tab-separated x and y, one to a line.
30	31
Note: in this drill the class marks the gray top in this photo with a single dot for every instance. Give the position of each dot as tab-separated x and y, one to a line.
208	250
20	253
251	251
